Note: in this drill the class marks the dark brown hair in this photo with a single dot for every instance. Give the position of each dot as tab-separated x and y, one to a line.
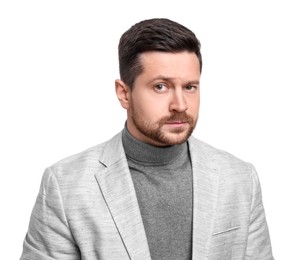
157	34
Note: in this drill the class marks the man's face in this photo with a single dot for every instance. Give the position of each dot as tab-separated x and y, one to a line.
163	105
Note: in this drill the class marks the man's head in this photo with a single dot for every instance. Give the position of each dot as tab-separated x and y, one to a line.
157	34
160	66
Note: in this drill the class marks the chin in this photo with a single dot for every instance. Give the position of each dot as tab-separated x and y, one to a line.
174	139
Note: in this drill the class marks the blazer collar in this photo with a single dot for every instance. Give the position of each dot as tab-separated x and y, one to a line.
205	192
118	190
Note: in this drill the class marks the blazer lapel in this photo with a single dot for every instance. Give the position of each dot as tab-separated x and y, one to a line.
205	185
118	191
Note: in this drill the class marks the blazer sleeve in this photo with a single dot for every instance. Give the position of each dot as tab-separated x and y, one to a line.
49	235
258	244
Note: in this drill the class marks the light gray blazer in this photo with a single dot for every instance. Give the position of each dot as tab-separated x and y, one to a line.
87	208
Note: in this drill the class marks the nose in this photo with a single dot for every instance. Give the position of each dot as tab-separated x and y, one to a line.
178	102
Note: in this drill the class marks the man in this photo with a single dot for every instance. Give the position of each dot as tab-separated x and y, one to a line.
153	191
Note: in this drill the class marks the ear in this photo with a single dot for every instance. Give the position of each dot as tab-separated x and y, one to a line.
123	93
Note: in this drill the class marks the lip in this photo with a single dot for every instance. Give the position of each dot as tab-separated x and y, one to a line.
176	123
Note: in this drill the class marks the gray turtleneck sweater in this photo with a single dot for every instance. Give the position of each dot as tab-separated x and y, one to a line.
163	182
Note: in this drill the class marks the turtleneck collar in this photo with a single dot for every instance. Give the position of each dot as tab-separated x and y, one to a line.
145	153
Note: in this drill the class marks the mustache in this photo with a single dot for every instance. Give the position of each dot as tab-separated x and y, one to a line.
183	117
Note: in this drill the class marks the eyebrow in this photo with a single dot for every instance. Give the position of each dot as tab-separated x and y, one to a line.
163	78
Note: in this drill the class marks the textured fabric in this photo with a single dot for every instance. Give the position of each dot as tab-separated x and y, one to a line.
163	182
87	209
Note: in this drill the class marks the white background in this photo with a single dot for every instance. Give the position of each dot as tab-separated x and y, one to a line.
58	63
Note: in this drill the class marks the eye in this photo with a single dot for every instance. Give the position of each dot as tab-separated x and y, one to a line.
191	88
160	87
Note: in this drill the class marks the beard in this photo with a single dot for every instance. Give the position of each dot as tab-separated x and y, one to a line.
165	137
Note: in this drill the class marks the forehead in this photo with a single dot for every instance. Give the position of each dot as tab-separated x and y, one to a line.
182	64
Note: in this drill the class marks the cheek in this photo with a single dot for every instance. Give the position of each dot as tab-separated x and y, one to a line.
151	110
194	104
151	106
197	105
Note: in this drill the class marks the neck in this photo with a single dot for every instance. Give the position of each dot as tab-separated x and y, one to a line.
147	153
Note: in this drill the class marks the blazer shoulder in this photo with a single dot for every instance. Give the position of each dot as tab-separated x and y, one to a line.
222	159
236	177
82	161
89	154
